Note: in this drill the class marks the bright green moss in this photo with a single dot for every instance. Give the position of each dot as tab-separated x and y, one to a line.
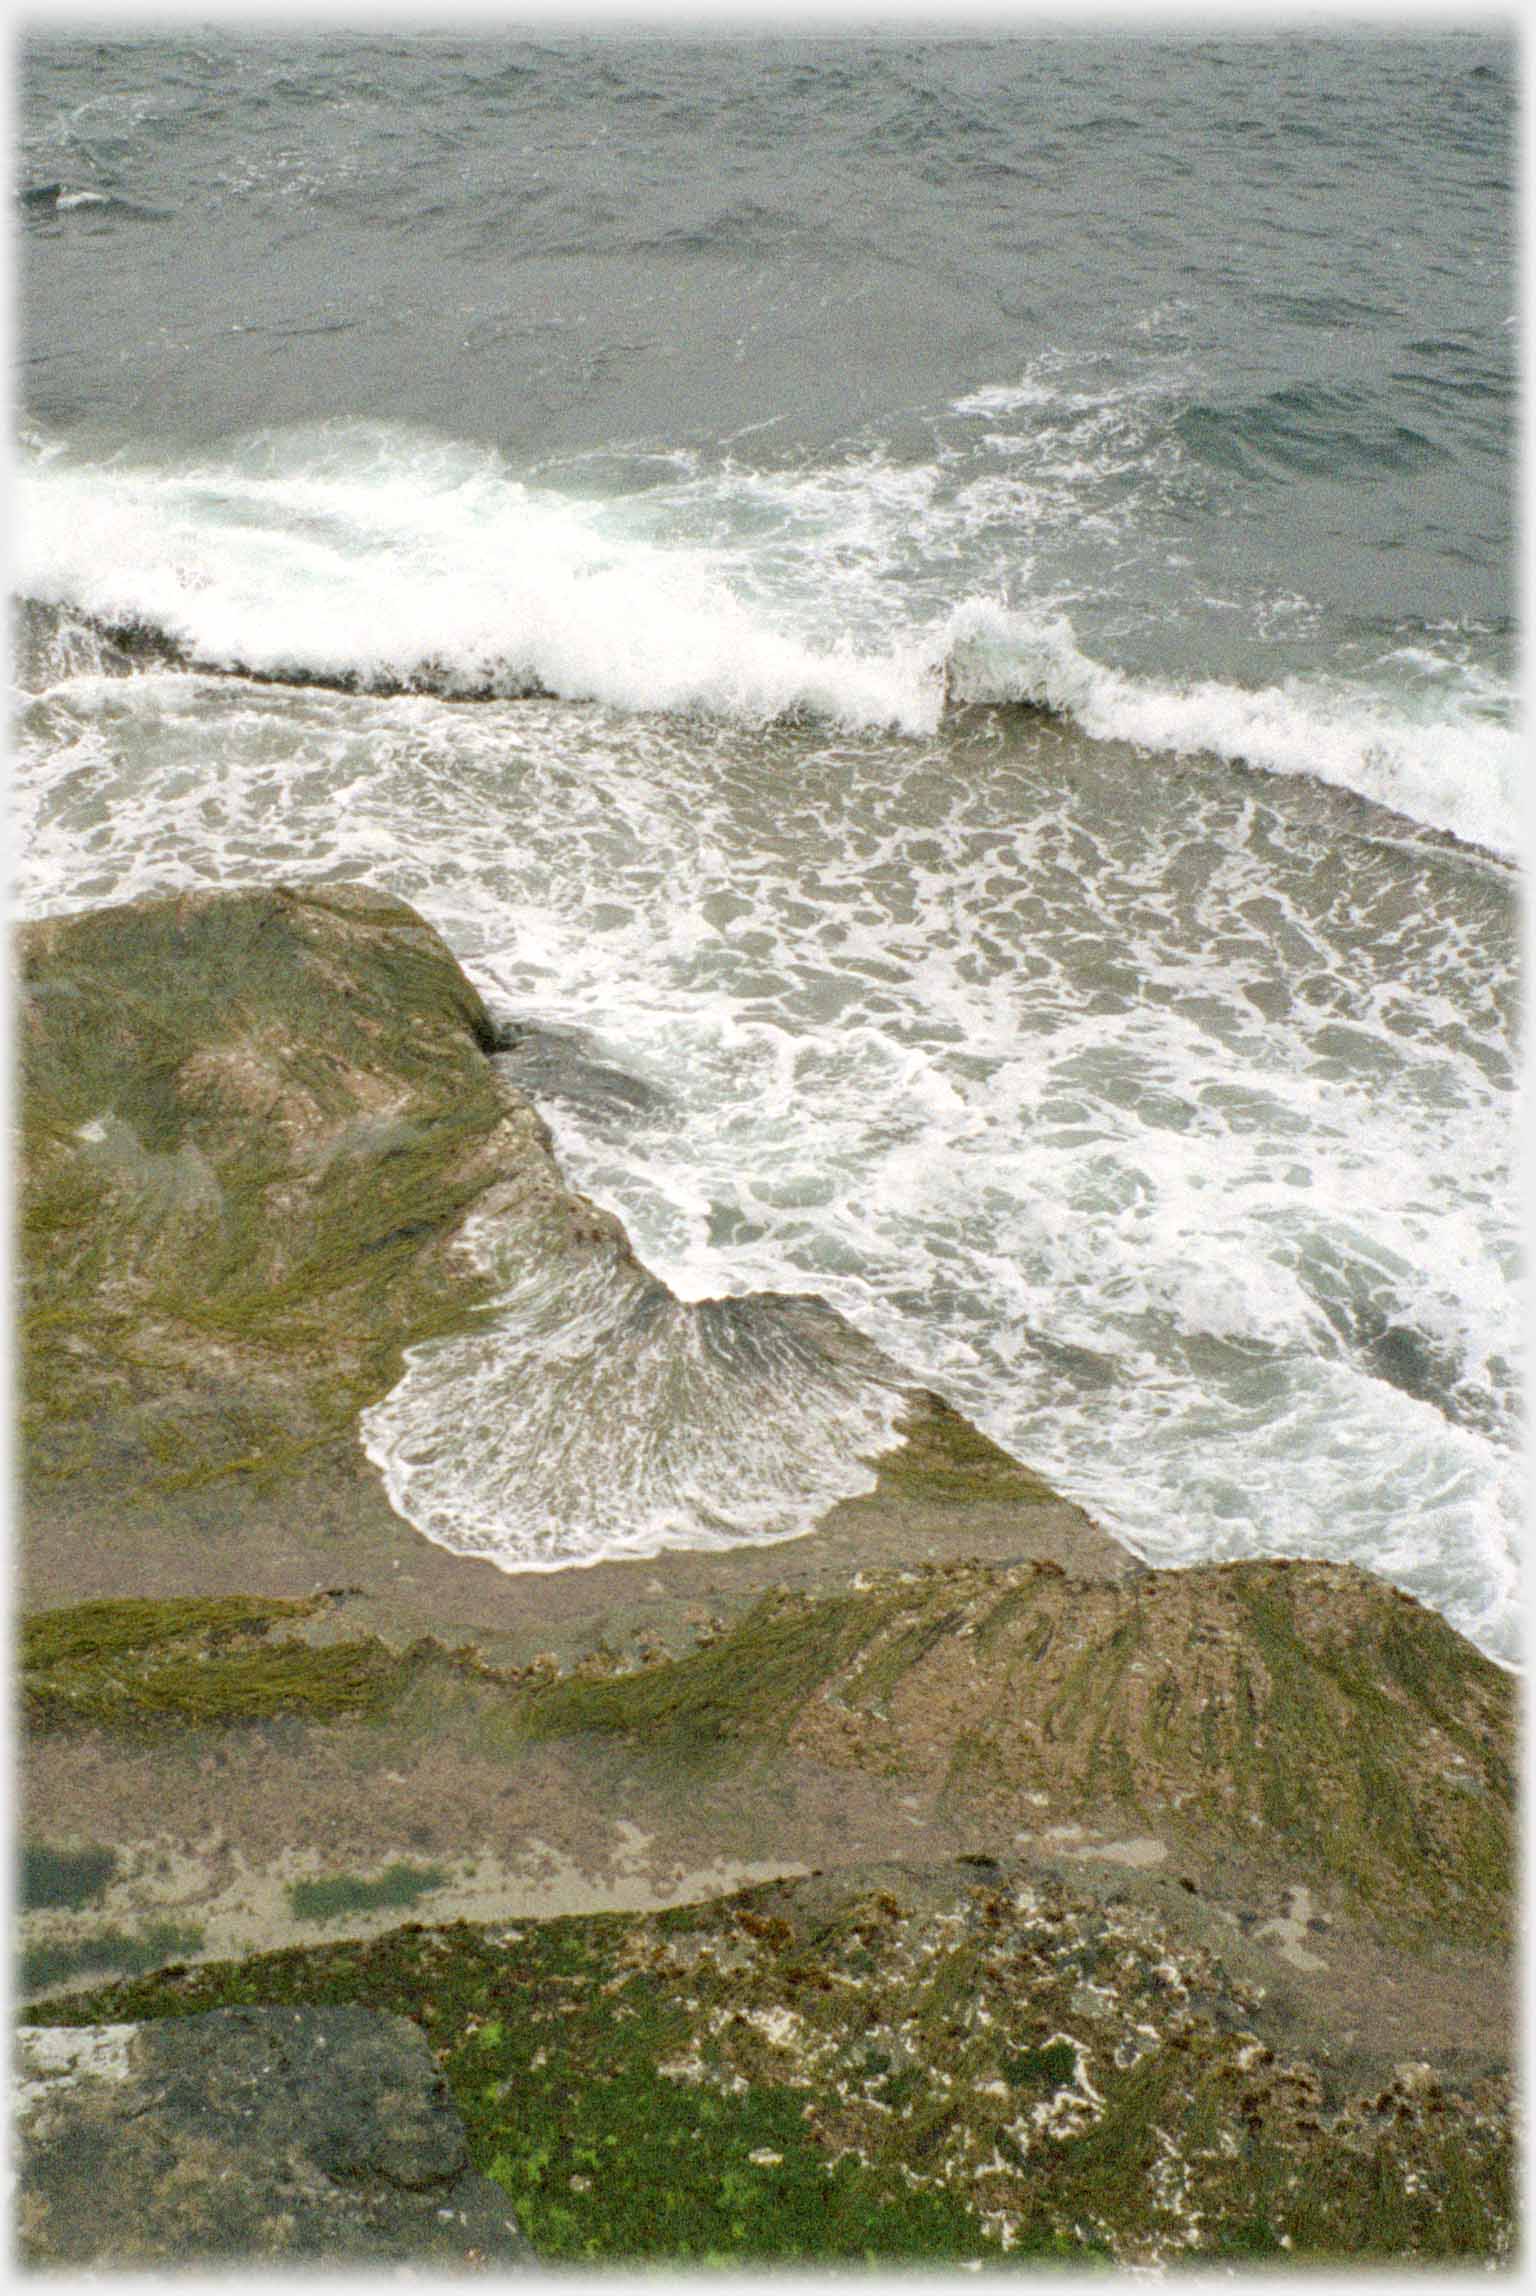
554	2037
551	2050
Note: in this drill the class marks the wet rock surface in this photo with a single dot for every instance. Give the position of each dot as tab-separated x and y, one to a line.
1224	1965
255	1124
272	2135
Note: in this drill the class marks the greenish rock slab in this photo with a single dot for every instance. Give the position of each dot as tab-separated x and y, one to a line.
273	2135
1302	1714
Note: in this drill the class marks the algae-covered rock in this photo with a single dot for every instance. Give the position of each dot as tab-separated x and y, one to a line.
925	2064
250	2136
1217	1815
1303	1713
277	1196
254	1123
209	1664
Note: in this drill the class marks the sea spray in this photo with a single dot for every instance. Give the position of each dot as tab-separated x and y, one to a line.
1157	1119
1022	596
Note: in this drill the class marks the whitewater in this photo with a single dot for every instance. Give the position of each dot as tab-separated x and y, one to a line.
387	560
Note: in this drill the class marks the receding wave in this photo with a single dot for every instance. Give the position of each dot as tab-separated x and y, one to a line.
600	1417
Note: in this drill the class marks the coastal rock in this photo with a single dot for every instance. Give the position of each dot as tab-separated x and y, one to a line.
258	1127
1301	1717
257	2135
254	1125
918	2064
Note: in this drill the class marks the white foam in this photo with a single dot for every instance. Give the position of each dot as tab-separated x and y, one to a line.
1458	771
597	1418
845	591
973	1058
373	554
1003	1042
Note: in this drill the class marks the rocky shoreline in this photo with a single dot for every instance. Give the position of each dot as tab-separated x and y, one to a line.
263	1718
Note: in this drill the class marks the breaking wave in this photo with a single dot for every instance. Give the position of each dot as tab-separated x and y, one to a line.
372	560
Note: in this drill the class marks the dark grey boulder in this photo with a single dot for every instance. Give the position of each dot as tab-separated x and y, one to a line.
263	2135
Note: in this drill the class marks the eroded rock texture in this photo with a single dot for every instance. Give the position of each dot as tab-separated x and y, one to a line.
257	2135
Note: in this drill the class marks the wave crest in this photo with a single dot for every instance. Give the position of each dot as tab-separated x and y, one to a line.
374	561
363	562
1455	771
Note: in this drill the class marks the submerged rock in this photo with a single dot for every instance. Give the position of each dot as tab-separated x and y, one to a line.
261	2135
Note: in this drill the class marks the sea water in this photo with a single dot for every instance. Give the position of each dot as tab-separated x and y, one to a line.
931	617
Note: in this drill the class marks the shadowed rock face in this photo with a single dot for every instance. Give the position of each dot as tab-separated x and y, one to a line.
274	2135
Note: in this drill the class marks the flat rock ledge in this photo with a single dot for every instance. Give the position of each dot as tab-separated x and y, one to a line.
257	2136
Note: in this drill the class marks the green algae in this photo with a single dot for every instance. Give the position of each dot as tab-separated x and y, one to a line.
55	1960
327	1896
95	1632
1306	1713
946	1461
253	1124
876	1677
744	1688
1347	1769
210	1663
800	2075
1046	2068
49	1878
1222	1706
